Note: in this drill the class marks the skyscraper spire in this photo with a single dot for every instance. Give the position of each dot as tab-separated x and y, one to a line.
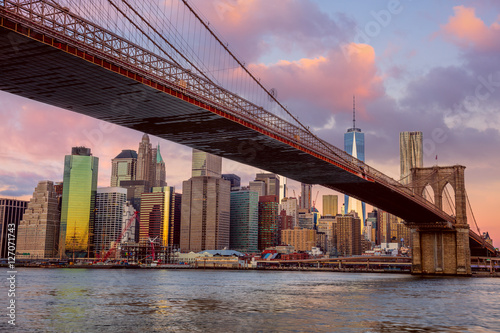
353	111
159	159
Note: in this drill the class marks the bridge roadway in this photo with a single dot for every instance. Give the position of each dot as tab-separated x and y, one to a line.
44	61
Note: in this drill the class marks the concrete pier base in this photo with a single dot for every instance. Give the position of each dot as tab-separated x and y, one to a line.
441	252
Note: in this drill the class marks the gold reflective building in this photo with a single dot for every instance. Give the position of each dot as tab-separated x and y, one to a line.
78	203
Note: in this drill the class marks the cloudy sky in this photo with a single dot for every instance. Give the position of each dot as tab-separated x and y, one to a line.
413	65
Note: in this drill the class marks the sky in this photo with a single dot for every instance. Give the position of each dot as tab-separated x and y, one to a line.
429	66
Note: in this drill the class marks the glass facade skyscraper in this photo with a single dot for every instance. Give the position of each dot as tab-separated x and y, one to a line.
354	144
244	234
78	203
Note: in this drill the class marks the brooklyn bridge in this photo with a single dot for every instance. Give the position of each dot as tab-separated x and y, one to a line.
88	56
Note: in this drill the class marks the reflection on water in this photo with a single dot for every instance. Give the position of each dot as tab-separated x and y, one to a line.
82	300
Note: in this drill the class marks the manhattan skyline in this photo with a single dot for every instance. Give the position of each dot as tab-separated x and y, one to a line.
404	79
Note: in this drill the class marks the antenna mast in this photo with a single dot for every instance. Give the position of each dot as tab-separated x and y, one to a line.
353	111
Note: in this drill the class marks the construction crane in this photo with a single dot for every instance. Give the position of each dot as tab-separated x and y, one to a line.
315	199
152	241
113	247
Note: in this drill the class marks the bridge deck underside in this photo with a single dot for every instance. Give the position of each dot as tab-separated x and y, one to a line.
44	73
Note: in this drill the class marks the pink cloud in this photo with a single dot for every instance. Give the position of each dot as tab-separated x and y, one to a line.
467	30
38	136
325	82
256	27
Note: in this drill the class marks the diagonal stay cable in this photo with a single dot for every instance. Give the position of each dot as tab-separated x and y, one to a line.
472	213
271	95
151	40
209	80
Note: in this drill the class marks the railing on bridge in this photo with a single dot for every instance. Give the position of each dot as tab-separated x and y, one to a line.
49	18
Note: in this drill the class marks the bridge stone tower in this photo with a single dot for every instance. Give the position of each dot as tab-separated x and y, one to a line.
439	251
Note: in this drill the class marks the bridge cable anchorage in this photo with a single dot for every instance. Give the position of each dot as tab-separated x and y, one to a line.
270	95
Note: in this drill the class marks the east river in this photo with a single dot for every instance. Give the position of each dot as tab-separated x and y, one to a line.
117	300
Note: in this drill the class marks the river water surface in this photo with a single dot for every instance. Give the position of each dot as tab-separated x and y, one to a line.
116	300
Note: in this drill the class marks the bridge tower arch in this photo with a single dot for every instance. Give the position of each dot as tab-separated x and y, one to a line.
441	251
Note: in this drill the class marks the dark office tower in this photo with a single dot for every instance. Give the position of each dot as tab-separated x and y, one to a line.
110	202
348	235
175	228
305	197
272	181
354	144
244	234
159	169
410	153
205	164
269	233
78	204
144	160
235	181
11	213
205	217
123	167
38	233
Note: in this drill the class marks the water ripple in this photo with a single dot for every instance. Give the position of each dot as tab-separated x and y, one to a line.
84	300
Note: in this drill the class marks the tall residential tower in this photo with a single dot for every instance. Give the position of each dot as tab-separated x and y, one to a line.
38	232
410	153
